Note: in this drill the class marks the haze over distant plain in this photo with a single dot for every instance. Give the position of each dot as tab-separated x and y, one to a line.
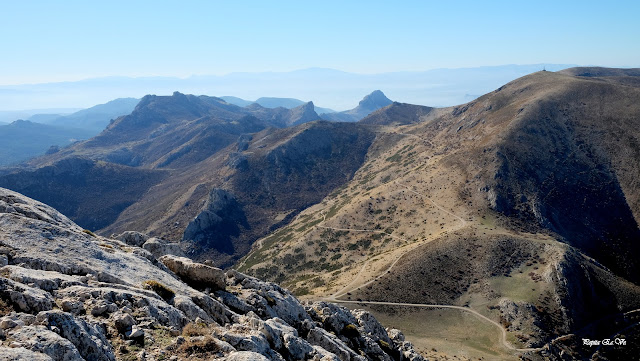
48	42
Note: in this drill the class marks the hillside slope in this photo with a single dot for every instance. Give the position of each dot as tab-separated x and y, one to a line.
522	204
172	154
271	176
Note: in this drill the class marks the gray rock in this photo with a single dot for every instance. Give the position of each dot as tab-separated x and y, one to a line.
99	308
25	298
275	330
331	343
321	354
298	348
132	238
135	332
23	354
234	302
270	300
197	274
370	326
334	317
89	339
158	248
245	340
9	321
245	356
123	322
190	309
44	280
213	308
396	335
40	339
72	306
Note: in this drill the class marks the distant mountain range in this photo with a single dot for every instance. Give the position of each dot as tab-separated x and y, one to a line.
331	88
8	116
40	133
24	139
95	118
270	102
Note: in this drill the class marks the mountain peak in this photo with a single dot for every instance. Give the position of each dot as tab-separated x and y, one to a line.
303	113
367	105
375	100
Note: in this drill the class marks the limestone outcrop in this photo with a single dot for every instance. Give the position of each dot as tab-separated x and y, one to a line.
67	294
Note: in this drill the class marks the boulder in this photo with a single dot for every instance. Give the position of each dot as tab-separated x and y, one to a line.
196	274
123	322
159	247
132	238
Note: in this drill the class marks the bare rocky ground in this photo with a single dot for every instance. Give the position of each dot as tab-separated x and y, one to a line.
67	294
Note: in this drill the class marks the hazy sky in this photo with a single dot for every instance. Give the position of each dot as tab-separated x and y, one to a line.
45	41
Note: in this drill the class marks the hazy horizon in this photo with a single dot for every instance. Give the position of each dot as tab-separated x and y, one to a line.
130	49
72	40
327	88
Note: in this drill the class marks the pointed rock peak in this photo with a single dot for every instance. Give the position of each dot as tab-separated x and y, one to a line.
306	108
375	100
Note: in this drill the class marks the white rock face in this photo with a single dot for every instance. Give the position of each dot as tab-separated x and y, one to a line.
71	295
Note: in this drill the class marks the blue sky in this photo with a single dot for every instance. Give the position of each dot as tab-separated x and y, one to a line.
45	41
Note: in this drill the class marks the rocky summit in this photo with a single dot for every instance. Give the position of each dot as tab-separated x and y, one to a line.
68	294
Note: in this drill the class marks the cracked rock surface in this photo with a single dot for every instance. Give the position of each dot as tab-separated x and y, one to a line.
67	294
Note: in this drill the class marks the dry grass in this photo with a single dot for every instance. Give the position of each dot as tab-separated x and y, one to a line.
163	291
453	333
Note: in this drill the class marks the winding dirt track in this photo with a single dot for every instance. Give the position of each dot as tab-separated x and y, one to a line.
348	287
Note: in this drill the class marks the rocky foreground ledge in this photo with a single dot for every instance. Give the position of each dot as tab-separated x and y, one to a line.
67	294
